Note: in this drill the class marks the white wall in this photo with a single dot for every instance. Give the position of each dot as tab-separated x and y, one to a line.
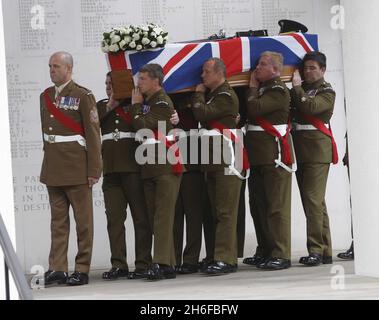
360	47
6	185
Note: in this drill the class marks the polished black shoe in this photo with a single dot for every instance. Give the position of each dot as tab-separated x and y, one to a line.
115	273
187	268
160	271
52	277
220	267
273	264
138	274
327	260
254	260
77	279
348	254
204	264
313	260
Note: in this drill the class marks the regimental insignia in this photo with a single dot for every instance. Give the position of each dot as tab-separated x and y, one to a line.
145	108
67	103
261	91
94	117
303	99
312	93
197	105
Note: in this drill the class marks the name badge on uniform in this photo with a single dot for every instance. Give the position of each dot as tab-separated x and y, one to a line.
67	103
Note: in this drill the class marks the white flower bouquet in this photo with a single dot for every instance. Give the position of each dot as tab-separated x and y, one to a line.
137	38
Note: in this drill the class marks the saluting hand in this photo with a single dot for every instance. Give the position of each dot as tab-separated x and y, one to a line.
112	103
137	96
296	79
92	181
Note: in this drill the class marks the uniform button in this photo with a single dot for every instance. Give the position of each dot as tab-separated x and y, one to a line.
117	122
50	129
51	116
116	130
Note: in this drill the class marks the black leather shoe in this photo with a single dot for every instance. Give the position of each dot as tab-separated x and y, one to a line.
187	268
327	260
273	264
220	267
254	260
138	274
314	259
204	264
77	279
115	273
58	277
348	254
160	271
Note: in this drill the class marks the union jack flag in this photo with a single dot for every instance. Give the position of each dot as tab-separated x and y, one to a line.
182	62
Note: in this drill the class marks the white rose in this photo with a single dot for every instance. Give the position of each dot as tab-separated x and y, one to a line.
153	34
153	44
132	44
144	28
122	44
157	30
114	48
160	40
139	47
128	30
127	39
136	36
145	33
145	41
115	39
112	34
105	48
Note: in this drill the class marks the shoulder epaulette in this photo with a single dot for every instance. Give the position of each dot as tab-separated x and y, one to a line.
278	86
162	102
224	92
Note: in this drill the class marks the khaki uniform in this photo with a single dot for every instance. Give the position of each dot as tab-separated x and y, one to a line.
269	187
314	155
122	186
65	170
221	105
161	185
190	201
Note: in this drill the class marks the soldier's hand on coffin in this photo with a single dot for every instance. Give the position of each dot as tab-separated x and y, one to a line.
296	79
112	103
137	96
254	83
92	181
174	118
200	88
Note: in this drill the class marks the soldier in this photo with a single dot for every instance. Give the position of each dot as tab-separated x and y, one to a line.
161	179
122	186
71	166
190	201
215	105
267	140
313	103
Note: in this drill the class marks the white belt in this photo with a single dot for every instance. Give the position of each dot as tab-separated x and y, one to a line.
185	134
298	127
118	135
214	133
57	139
281	128
170	138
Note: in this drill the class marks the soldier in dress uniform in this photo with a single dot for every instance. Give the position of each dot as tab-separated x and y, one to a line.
152	109
122	186
190	203
268	143
71	166
215	105
313	104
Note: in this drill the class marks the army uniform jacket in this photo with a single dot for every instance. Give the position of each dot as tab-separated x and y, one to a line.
69	163
272	102
315	99
220	105
187	122
118	154
157	108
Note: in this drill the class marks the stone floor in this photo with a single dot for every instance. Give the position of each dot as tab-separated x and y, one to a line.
329	282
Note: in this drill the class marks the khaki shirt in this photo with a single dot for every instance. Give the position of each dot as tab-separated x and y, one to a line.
118	154
272	102
315	99
220	105
69	163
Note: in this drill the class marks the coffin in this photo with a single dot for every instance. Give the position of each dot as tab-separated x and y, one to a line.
182	62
